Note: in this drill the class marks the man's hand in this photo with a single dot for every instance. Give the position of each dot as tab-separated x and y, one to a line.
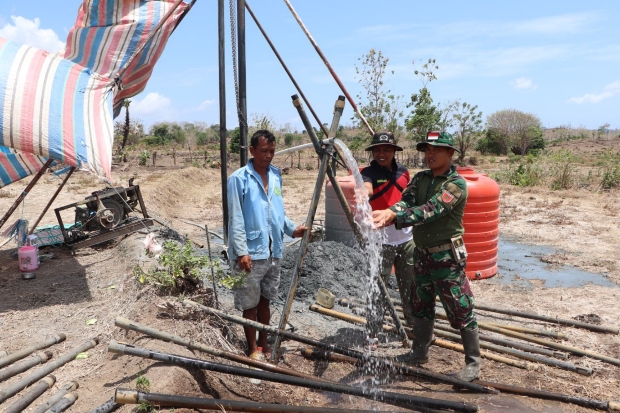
245	263
383	218
299	231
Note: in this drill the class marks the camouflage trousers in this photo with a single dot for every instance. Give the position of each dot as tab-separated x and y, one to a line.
401	257
439	274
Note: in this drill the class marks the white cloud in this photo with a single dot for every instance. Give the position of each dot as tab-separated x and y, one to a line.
204	105
29	32
153	103
523	83
609	91
562	24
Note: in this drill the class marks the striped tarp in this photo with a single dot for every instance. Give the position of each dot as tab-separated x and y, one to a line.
15	165
108	32
54	108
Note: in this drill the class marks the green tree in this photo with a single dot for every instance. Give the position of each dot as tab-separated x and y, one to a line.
517	129
381	108
492	142
424	116
468	122
233	146
126	104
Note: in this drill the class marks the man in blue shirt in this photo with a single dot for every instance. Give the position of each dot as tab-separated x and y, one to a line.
256	227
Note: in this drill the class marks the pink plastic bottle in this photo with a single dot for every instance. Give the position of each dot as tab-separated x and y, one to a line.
28	258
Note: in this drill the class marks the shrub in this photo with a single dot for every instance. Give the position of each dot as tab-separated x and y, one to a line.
562	172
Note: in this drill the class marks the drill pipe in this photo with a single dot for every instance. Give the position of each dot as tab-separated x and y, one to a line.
551	344
355	303
24	365
20	354
132	325
64	403
524	391
412	371
55	398
31	395
507	343
129	396
372	394
107	407
541	394
555	320
45	370
520	354
437	342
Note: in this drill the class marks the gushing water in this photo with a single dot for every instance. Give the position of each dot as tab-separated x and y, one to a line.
373	240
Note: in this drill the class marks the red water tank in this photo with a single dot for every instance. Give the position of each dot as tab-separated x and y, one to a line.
481	223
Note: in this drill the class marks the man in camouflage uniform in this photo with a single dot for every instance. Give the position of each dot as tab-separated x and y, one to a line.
433	203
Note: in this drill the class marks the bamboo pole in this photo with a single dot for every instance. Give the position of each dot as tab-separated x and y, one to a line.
151	332
20	354
129	396
412	371
437	342
373	394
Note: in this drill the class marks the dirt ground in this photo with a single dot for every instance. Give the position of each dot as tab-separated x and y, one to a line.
73	289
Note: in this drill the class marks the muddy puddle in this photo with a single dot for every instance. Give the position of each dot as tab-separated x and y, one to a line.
523	265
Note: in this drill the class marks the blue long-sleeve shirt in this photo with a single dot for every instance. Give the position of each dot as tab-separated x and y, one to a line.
255	216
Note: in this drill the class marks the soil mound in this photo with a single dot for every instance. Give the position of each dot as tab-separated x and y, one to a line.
332	265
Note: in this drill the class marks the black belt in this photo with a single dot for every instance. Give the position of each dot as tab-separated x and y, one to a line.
437	248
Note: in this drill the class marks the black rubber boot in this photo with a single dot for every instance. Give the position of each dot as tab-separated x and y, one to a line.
422	338
471	345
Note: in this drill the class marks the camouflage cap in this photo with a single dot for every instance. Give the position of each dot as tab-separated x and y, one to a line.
436	138
384	138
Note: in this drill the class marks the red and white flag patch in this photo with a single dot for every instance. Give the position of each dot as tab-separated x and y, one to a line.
446	197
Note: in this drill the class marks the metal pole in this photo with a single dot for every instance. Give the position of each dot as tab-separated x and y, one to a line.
56	397
334	75
301	252
437	342
62	184
288	72
217	303
223	147
129	396
64	403
31	395
419	372
369	393
24	365
134	326
243	105
21	196
555	320
20	354
18	386
107	407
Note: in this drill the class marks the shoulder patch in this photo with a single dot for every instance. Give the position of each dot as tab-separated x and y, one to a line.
277	191
451	194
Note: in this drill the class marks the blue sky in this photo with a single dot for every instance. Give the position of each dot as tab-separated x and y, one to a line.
559	60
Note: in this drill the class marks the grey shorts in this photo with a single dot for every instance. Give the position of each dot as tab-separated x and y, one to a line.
264	280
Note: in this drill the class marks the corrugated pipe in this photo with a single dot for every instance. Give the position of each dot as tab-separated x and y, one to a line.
129	396
18	386
31	395
412	371
20	354
55	398
12	370
396	399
